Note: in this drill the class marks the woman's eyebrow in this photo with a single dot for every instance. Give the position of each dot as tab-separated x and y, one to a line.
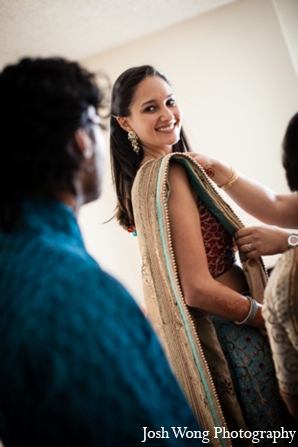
154	100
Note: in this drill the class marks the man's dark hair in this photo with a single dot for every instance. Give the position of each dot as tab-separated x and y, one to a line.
290	153
43	101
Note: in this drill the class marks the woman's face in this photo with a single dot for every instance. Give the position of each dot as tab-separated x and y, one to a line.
155	115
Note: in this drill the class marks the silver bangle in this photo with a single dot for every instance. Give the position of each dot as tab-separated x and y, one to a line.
251	313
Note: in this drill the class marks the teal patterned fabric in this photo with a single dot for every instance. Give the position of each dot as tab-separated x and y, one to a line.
251	366
79	364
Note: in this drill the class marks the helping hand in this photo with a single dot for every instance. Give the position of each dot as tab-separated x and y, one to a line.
262	240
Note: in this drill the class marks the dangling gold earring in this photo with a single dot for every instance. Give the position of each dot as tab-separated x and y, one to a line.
133	138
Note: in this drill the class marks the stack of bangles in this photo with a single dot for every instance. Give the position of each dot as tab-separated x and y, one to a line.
251	313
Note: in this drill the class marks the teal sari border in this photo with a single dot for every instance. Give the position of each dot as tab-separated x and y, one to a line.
172	281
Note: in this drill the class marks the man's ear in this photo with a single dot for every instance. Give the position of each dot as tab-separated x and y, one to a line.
83	145
123	122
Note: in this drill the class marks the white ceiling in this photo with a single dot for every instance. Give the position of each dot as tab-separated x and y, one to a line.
79	29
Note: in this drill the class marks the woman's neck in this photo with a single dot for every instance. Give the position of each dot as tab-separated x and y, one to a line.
155	152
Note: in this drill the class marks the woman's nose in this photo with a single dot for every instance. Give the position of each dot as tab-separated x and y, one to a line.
166	114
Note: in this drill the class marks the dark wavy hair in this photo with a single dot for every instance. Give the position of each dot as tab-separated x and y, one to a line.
290	153
124	161
44	101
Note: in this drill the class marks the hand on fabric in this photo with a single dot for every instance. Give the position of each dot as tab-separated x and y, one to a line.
221	296
253	197
218	171
262	240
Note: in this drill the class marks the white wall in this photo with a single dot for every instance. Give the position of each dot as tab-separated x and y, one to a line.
236	83
287	13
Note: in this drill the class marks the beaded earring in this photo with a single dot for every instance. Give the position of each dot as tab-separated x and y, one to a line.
132	230
133	138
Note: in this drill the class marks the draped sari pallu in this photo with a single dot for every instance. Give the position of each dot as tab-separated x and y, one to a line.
187	335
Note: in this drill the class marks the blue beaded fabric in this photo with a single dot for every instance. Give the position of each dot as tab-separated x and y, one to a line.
79	364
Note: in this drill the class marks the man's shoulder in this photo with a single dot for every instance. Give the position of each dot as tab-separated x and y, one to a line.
46	263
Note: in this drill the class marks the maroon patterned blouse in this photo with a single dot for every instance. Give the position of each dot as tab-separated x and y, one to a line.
218	243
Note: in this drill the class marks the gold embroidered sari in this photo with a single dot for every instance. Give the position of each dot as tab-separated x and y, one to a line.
188	335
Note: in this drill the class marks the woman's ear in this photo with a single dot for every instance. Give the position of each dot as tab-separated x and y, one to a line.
83	145
123	122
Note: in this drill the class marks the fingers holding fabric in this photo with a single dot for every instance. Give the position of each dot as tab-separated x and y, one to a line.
262	240
248	248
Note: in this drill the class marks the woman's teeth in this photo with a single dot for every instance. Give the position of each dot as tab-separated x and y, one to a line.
165	129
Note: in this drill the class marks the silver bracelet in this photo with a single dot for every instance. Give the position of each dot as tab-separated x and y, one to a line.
251	313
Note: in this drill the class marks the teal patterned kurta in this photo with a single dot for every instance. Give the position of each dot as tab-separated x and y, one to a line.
79	364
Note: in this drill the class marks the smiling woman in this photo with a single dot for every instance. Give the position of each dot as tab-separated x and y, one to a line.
155	117
142	101
204	306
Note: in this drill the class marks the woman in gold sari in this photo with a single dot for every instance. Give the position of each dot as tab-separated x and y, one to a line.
204	306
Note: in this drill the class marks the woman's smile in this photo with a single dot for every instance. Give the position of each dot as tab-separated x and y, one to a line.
169	129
